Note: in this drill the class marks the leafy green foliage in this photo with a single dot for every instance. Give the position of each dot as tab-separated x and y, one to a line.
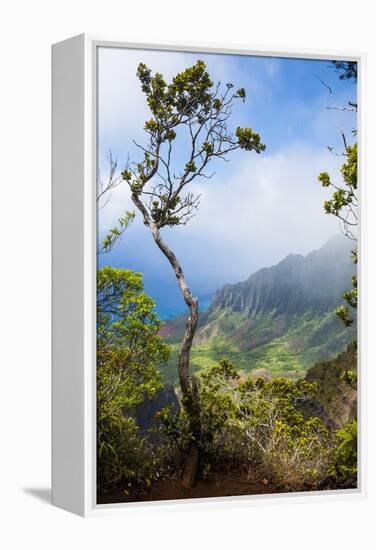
252	422
245	422
305	340
127	326
344	199
263	427
199	110
343	204
249	140
124	458
336	396
351	378
349	169
351	297
188	91
346	458
114	235
347	70
342	313
129	351
196	108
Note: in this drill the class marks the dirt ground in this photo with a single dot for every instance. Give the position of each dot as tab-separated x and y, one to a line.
216	485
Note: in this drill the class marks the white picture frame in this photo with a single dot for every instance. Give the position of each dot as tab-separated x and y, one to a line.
74	80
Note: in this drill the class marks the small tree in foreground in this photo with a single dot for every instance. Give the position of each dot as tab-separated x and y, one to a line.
193	111
252	423
129	351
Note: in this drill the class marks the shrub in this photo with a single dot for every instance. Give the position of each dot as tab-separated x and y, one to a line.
124	457
129	351
252	423
345	466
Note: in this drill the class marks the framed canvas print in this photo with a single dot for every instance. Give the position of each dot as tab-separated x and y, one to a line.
206	252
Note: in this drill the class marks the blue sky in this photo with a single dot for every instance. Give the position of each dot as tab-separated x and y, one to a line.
257	208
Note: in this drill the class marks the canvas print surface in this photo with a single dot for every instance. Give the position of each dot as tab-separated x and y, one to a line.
226	275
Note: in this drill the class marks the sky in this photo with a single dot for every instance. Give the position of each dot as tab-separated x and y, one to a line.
256	209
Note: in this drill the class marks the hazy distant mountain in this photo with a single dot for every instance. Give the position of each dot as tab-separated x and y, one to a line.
281	318
298	283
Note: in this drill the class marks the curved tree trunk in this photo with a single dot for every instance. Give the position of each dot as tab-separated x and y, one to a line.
188	385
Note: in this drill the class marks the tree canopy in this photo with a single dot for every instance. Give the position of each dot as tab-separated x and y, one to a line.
194	104
129	350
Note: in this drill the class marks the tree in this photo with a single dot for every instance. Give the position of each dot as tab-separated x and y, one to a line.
198	110
344	201
129	351
343	204
104	189
347	70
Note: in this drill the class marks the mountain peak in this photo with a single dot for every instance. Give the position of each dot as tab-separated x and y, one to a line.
297	283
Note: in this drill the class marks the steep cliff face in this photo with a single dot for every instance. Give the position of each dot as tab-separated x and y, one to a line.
298	283
281	318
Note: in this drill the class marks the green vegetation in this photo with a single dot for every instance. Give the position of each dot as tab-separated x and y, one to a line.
307	339
271	412
194	108
336	397
263	388
296	434
114	235
280	429
343	205
346	456
279	319
255	425
128	353
344	201
258	422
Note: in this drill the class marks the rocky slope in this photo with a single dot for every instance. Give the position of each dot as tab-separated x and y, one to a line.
335	401
281	318
296	284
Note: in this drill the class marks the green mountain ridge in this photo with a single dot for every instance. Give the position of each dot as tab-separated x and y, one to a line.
280	319
294	285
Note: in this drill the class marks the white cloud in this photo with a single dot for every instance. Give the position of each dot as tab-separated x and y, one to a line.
248	218
122	108
270	206
121	104
258	209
